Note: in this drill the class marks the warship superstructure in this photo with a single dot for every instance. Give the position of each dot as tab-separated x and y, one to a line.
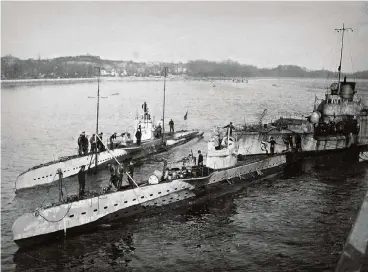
338	122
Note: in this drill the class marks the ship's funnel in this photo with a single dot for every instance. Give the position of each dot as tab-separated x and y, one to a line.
347	90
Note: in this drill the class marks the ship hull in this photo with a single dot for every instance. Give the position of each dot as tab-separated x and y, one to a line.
70	167
254	143
74	217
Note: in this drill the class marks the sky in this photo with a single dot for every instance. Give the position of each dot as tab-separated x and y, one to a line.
264	34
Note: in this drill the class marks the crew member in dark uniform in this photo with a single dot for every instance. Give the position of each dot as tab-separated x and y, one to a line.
230	128
80	144
272	145
144	107
159	131
82	181
138	135
112	137
113	175
171	124
200	158
85	144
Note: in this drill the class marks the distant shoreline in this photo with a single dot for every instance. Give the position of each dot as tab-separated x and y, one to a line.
17	82
10	82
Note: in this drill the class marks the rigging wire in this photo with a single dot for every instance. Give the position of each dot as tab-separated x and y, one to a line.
39	210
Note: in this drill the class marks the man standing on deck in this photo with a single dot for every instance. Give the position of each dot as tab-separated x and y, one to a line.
159	131
113	176
112	138
85	145
138	135
272	146
121	170
200	158
230	128
80	141
171	124
82	181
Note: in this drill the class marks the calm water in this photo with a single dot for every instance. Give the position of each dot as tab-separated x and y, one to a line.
296	221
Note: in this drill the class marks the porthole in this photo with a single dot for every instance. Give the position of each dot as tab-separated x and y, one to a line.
163	200
72	215
176	188
95	210
115	204
168	191
125	201
83	213
134	199
142	196
159	193
151	194
105	207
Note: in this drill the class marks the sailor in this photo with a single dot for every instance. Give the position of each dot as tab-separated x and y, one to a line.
120	173
159	130
85	144
230	128
113	176
100	145
112	138
171	124
272	145
81	180
138	135
144	107
80	141
200	158
92	141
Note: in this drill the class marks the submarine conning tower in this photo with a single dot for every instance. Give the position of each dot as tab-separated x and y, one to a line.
339	104
342	91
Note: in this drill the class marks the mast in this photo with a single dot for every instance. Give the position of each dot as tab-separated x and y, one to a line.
343	29
98	109
163	108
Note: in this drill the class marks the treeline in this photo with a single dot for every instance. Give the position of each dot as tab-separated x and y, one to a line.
80	66
203	68
84	66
